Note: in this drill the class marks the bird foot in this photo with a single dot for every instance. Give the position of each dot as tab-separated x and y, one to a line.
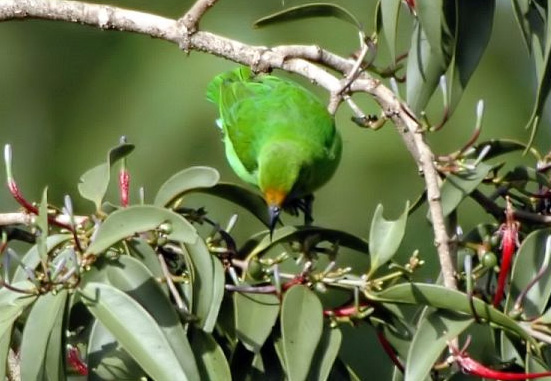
303	205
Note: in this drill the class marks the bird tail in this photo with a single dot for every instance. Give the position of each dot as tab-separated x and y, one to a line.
241	74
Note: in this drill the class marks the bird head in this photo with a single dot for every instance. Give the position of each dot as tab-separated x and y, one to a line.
275	199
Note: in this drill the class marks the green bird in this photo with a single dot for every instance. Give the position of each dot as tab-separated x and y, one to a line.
278	136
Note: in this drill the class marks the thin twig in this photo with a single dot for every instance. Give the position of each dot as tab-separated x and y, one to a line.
173	291
192	17
490	206
15	219
24	218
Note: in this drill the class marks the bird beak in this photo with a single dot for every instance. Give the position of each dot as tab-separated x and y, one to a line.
274	212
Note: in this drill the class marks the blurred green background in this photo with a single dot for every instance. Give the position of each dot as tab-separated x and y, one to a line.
68	92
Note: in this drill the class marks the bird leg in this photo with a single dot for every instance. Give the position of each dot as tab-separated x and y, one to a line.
303	205
308	202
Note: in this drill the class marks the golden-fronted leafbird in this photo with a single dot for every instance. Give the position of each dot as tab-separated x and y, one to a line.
278	136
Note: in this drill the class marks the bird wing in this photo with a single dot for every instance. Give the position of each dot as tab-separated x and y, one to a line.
259	110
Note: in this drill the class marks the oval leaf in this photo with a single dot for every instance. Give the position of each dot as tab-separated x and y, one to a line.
208	284
474	27
499	147
210	357
12	304
530	259
46	312
255	317
243	197
436	329
93	183
292	233
385	237
141	250
433	21
132	277
440	297
307	11
136	330
424	69
127	222
5	341
326	353
458	186
390	10
301	329
184	181
42	225
107	360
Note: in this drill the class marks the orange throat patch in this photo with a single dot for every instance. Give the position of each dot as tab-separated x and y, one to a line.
274	197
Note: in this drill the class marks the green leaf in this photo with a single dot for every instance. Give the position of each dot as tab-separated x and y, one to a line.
308	11
31	259
520	176
5	340
378	19
218	288
530	21
342	371
255	317
141	250
301	330
12	304
45	314
293	233
473	31
535	365
42	224
499	147
56	349
184	181
210	357
93	183
326	353
440	297
530	259
433	22
424	69
132	277
243	197
385	237
543	70
458	186
436	329
107	360
390	10
135	329
129	221
208	284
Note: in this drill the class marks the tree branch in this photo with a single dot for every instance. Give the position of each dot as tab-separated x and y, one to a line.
301	60
195	13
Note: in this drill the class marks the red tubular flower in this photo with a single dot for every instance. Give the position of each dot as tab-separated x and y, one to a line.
124	185
345	311
74	360
509	243
390	351
473	367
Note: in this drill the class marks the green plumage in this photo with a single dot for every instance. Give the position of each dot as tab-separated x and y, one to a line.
278	135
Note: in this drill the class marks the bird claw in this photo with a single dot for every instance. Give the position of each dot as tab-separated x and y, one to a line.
303	205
